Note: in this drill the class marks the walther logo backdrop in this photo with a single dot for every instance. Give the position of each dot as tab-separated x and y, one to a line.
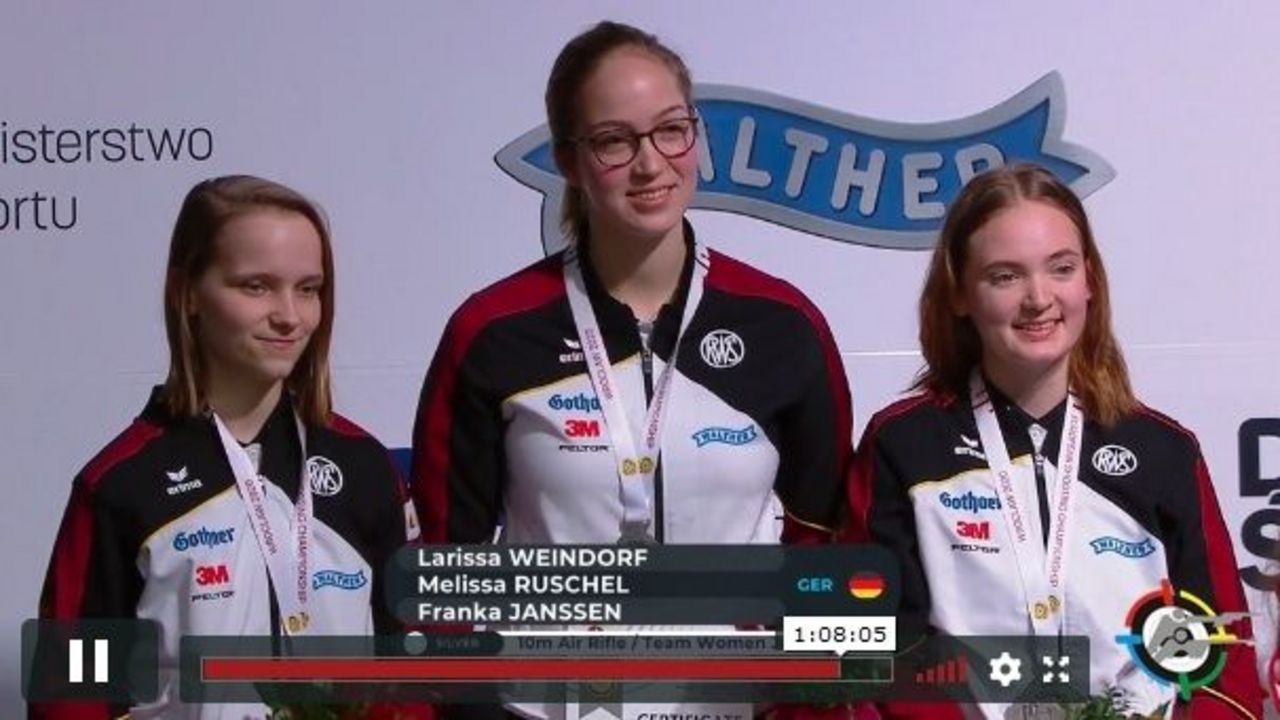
838	175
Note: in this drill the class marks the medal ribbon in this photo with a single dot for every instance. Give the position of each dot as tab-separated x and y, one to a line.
1042	577
636	468
287	566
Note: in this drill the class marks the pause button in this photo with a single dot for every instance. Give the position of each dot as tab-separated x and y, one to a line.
114	661
101	660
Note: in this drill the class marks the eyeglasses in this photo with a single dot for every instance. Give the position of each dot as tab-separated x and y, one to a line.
616	147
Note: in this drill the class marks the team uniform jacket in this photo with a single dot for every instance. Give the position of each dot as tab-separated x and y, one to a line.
1146	511
156	529
509	426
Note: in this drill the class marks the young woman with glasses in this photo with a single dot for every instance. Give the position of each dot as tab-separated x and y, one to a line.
637	387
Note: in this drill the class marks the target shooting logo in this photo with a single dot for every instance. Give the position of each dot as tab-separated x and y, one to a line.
1178	639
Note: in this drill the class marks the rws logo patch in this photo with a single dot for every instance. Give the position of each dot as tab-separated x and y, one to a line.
831	173
1115	460
722	349
324	476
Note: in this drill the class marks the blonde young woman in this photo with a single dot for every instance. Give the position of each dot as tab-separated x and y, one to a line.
237	503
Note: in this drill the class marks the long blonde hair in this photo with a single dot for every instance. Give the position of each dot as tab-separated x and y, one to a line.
208	207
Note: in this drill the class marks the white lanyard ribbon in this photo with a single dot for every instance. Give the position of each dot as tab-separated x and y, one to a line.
287	566
1042	578
636	470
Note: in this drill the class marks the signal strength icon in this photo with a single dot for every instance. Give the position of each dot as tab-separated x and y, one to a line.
953	671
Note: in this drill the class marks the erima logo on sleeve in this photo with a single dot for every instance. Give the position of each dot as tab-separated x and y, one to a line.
970	448
827	172
575	352
179	482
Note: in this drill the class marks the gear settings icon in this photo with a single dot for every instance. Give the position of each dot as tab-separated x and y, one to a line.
1005	669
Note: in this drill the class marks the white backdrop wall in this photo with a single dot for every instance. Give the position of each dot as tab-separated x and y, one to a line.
389	114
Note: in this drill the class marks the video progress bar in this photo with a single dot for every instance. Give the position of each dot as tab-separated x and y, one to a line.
215	669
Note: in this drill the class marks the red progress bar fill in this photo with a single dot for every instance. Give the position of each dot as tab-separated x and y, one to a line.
427	669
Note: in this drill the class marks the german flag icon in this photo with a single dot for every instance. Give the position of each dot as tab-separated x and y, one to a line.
866	585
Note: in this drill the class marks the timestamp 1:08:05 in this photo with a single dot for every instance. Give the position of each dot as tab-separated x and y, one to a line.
841	634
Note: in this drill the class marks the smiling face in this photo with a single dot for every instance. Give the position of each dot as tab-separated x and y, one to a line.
1025	287
631	91
258	303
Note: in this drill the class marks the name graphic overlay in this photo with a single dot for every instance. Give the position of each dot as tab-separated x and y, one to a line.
716	624
644	585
